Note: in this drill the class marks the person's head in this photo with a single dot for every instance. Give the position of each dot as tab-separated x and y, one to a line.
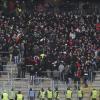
19	92
49	89
56	88
94	89
30	89
5	91
42	89
78	88
12	89
68	88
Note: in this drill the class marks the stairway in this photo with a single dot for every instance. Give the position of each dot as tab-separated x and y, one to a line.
96	83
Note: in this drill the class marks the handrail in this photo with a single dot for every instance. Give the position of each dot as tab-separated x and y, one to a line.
97	71
20	78
9	65
4	52
3	71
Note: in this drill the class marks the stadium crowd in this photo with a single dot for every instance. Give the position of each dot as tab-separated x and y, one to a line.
50	40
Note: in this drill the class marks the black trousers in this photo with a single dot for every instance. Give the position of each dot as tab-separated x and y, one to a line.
49	98
68	99
42	99
32	98
93	98
80	98
56	99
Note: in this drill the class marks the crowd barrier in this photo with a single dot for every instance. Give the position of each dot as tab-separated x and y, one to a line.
23	84
8	81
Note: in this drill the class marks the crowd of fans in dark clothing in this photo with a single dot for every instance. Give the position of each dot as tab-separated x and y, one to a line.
50	40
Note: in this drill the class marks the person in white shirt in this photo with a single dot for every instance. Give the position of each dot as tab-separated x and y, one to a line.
61	68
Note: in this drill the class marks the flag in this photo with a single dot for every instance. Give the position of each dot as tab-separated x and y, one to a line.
18	37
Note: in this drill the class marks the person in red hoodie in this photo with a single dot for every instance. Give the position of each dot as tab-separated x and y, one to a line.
78	65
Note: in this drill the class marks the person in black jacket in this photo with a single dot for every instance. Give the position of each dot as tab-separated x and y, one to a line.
23	69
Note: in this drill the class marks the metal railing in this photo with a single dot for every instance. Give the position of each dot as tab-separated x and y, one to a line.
24	85
13	70
7	81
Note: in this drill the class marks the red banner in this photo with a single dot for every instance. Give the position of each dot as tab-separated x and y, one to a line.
98	27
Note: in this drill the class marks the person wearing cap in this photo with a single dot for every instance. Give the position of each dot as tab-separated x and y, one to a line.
94	94
56	94
41	94
5	96
19	96
80	94
12	94
68	94
31	94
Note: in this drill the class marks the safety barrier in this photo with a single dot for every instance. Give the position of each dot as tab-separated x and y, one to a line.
24	85
8	81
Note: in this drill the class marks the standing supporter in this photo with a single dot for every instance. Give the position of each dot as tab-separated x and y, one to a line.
16	55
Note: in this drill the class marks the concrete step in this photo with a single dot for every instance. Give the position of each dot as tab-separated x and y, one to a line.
98	75
96	83
97	78
98	72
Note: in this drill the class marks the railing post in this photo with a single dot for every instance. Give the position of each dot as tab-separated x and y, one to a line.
77	89
53	84
11	78
8	78
91	77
